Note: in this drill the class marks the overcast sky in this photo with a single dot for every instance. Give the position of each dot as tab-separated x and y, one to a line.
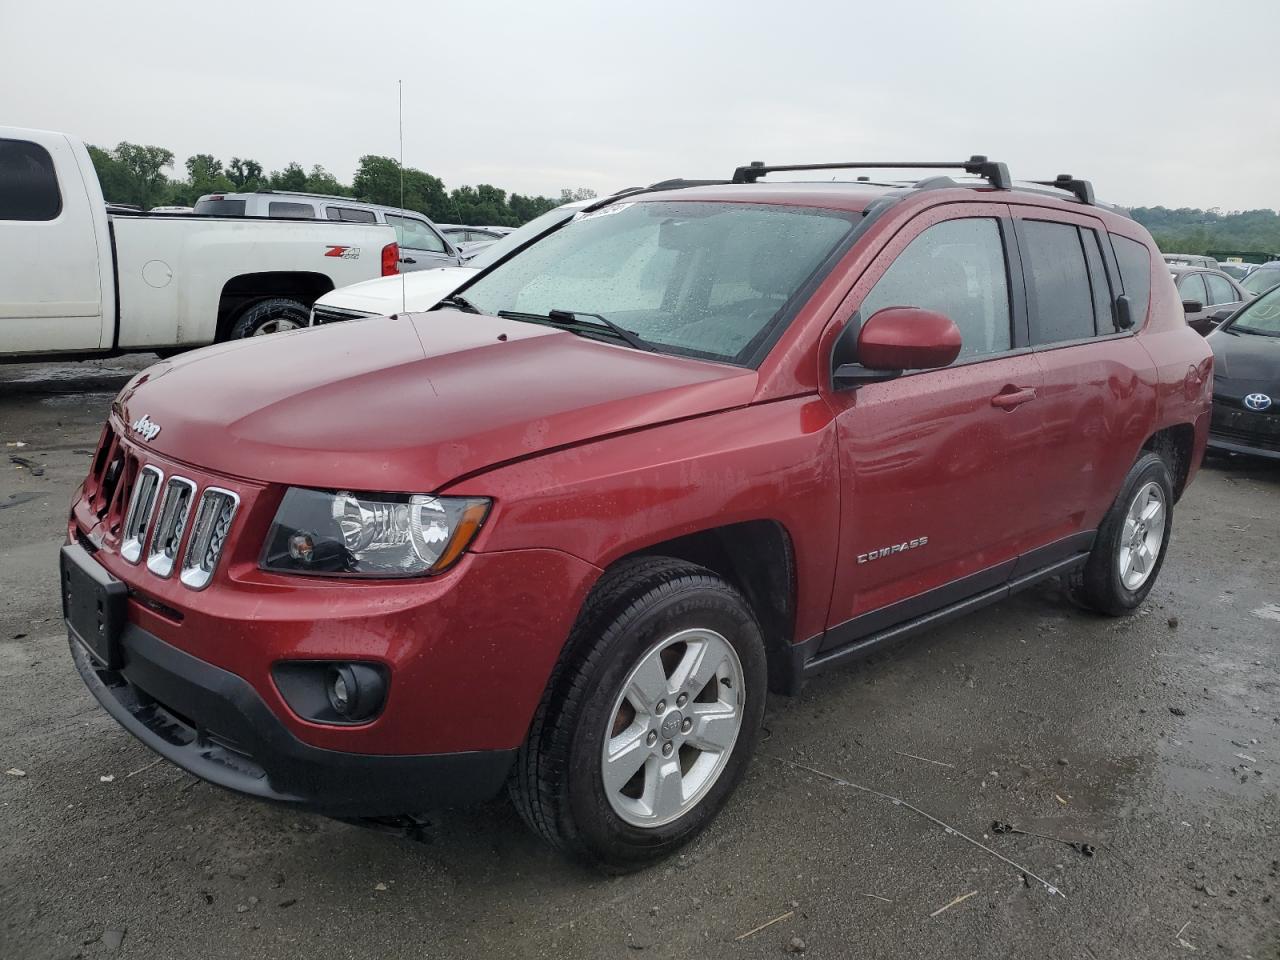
1171	102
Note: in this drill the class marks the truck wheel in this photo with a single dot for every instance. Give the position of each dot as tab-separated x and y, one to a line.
270	316
649	718
1131	543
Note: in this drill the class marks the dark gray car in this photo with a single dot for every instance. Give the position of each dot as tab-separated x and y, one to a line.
1208	296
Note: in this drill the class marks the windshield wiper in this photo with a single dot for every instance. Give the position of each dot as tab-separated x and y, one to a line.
566	318
458	302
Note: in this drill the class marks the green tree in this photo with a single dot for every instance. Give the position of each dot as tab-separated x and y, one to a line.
292	177
582	193
116	185
245	174
378	181
133	173
320	180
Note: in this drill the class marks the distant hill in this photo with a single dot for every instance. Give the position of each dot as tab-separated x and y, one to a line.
1204	231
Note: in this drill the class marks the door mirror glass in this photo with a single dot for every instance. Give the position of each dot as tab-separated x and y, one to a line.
1192	306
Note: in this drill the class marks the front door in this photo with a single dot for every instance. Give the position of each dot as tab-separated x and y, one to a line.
939	468
52	226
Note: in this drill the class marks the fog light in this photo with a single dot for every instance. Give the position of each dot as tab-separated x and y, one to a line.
355	690
336	692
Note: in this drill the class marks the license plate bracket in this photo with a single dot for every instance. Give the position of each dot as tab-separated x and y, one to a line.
93	605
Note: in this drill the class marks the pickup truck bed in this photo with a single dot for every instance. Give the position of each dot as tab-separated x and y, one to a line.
77	280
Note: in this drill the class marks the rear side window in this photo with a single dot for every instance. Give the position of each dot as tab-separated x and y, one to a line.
351	215
1191	287
1058	291
220	208
957	268
28	185
1134	260
1220	289
280	208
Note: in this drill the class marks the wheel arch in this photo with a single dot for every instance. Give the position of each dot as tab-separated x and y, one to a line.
242	291
757	558
1176	445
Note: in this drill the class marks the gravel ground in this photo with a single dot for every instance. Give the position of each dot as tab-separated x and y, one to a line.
1155	739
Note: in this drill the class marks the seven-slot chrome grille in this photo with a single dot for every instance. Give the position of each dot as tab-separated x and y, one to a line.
159	514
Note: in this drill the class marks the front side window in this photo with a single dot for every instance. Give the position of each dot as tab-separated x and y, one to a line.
1261	317
705	279
1220	289
279	208
351	215
28	184
413	234
1191	287
956	268
1058	292
1134	261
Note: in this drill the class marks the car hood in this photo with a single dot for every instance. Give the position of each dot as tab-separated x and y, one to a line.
420	290
1245	363
410	403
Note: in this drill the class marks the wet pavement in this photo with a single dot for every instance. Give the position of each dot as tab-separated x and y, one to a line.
1155	740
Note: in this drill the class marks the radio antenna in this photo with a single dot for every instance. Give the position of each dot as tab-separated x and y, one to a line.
404	306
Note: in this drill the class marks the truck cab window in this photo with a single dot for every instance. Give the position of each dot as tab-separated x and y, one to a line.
28	185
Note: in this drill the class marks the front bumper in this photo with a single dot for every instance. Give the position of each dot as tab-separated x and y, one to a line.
214	725
1237	430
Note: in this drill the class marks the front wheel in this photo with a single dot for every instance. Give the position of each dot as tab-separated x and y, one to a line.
276	315
650	718
1131	544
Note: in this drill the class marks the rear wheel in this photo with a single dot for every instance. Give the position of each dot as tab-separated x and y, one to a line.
1131	543
649	719
276	315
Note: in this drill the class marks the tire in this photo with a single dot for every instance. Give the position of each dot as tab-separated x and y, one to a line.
270	316
646	614
1117	577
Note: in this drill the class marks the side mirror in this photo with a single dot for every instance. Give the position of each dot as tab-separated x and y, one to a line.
1192	306
1222	315
893	340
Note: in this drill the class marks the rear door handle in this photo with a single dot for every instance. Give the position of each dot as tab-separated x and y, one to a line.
1011	397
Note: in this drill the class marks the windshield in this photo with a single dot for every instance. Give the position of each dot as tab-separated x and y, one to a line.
1261	317
492	253
1236	271
702	279
1261	280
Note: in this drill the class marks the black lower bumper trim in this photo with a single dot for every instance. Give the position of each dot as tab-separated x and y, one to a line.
214	725
1236	446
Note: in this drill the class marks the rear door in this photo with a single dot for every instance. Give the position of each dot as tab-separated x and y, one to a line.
939	469
1098	382
54	291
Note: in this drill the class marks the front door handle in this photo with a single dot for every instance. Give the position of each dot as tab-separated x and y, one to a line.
1011	397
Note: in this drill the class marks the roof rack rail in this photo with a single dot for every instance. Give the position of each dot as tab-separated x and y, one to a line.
676	183
1083	189
997	174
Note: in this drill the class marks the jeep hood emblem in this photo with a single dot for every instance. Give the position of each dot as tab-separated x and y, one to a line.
145	427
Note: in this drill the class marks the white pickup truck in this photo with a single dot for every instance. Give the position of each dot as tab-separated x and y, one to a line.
76	280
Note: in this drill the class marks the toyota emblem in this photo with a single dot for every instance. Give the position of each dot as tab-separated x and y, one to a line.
1257	401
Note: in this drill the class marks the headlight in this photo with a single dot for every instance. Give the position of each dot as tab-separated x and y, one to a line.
370	534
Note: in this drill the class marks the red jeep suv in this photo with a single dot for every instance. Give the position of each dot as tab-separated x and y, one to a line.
563	532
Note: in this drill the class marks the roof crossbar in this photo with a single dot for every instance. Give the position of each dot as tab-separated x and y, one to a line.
997	174
1082	189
